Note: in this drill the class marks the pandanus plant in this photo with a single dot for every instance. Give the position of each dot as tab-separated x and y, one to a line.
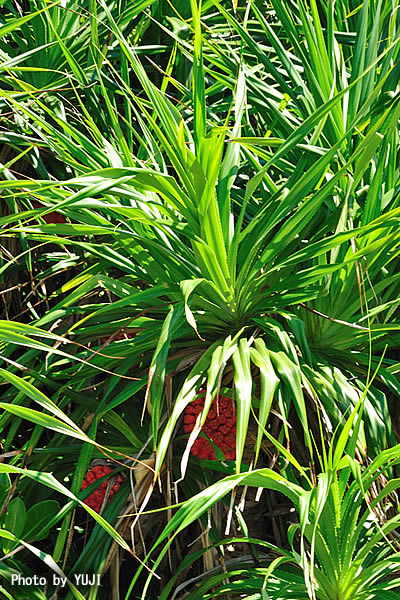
240	275
259	258
344	545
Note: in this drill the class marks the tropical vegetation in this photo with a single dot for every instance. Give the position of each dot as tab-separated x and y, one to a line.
200	289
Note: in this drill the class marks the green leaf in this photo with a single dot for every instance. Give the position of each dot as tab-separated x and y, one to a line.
243	389
38	517
17	23
157	371
14	520
290	373
50	481
269	382
200	503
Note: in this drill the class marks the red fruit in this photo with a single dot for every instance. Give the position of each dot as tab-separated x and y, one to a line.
220	427
53	217
190	419
95	500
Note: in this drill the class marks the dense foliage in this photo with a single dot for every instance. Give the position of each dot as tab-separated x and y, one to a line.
200	238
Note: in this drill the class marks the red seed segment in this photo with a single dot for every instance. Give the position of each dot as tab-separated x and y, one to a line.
52	217
220	427
95	500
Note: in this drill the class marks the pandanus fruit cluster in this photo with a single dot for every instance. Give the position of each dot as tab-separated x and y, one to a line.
220	427
96	498
52	217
